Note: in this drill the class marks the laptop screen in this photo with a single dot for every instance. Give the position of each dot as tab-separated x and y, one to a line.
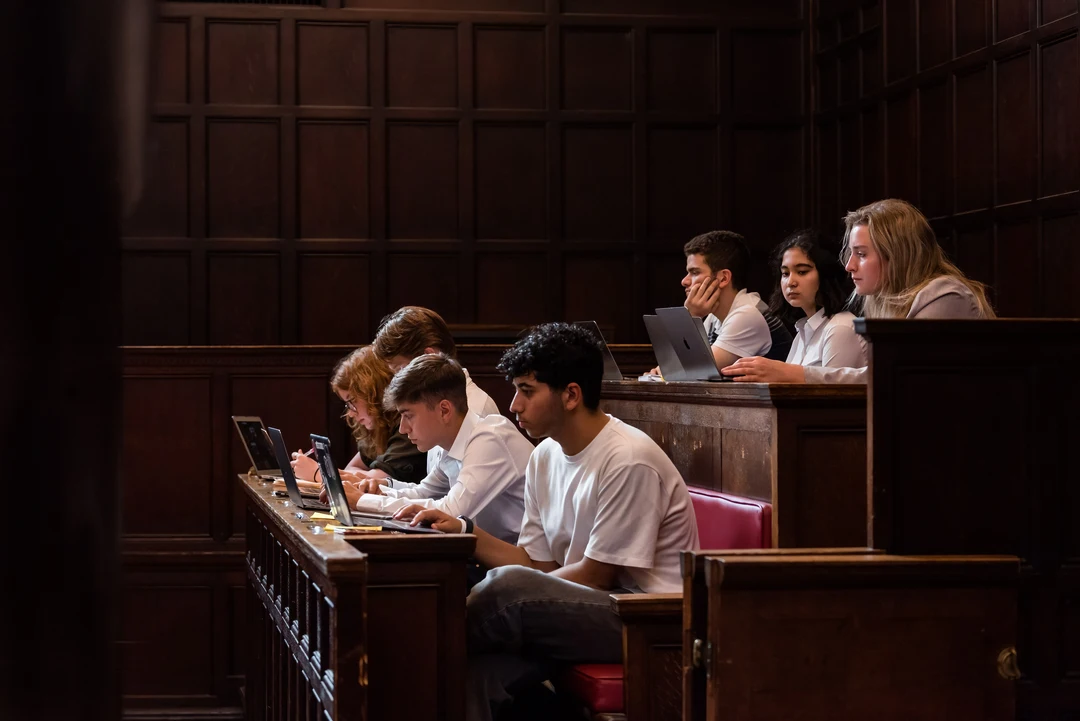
339	503
611	368
256	444
282	455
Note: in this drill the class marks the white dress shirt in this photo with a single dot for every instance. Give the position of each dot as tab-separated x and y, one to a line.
479	402
828	342
481	476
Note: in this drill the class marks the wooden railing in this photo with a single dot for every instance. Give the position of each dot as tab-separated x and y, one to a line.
306	622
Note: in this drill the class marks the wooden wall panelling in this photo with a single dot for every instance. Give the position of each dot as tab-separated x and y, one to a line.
442	129
332	64
511	183
163	282
979	123
1059	78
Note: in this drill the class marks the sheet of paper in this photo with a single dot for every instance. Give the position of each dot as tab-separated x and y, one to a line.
320	516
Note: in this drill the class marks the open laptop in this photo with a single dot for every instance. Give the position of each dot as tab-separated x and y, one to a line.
666	358
281	453
258	448
611	368
687	336
339	502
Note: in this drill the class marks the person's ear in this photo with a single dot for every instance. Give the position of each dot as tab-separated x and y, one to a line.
446	410
430	351
572	396
723	278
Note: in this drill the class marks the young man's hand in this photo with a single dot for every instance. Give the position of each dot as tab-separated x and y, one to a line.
702	297
408	512
352	493
363	482
439	520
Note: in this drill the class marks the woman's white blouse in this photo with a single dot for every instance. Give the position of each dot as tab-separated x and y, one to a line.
827	342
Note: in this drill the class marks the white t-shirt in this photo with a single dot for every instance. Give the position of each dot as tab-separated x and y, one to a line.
745	332
482	476
619	501
827	342
479	403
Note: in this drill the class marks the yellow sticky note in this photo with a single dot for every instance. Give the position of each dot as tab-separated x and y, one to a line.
330	527
320	516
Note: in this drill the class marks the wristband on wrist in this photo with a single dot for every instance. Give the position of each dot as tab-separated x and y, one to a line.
469	525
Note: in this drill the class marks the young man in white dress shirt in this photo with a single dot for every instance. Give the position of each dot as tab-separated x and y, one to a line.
480	469
605	510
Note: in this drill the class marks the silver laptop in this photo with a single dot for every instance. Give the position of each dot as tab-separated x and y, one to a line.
611	368
666	357
339	502
687	336
256	444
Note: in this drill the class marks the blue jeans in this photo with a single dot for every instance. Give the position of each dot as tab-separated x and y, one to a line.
522	624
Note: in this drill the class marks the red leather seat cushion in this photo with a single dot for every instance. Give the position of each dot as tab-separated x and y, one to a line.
597	685
727	521
724	521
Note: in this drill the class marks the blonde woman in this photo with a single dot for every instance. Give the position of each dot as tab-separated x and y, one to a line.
359	380
899	271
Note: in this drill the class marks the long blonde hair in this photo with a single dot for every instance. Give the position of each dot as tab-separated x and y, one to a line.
364	377
911	258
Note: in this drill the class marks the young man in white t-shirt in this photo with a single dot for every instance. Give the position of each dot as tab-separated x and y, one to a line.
480	467
605	510
738	323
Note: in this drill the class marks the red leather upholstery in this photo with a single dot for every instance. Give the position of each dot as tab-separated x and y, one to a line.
724	521
727	521
599	686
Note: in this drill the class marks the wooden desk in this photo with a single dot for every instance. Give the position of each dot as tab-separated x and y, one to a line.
660	631
312	586
848	636
973	428
800	447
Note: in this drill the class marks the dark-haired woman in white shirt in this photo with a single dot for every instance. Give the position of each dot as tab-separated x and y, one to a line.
812	292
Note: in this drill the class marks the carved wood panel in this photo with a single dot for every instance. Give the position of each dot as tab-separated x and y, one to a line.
452	156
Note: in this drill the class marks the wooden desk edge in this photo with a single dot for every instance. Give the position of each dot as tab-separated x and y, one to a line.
634	606
736	394
325	552
338	553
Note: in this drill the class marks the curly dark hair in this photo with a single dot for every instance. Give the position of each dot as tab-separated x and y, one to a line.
558	354
722	249
834	283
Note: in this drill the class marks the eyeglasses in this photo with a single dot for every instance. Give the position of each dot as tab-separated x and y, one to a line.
350	407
